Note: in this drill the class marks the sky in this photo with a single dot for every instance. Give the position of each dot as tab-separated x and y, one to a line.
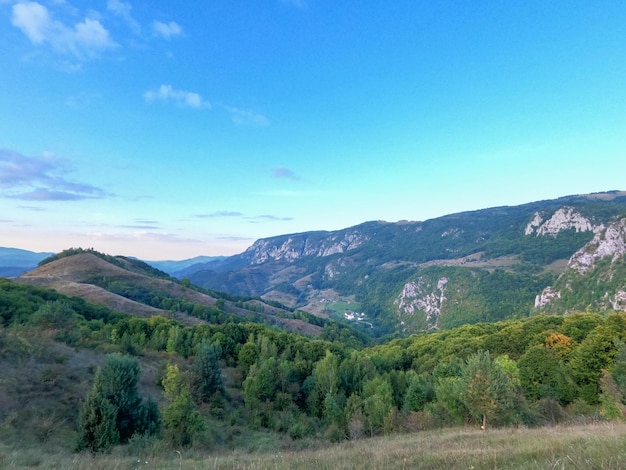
169	130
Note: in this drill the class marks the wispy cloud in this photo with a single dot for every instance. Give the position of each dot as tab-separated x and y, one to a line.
142	224
166	30
123	10
219	214
32	208
246	117
267	218
82	40
180	97
242	216
286	193
41	179
234	238
143	236
285	173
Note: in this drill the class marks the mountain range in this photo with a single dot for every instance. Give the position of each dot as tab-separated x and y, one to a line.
14	261
406	277
394	279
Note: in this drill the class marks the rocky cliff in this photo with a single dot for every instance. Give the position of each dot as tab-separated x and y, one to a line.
594	276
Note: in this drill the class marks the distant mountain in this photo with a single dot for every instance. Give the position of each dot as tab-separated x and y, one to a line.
14	261
404	277
132	286
179	268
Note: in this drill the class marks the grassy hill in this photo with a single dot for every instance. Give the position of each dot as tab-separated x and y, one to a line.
131	286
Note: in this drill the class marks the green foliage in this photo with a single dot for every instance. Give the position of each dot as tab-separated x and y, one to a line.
611	398
259	389
378	405
113	411
207	374
54	315
544	375
181	419
481	391
299	386
326	375
97	430
419	393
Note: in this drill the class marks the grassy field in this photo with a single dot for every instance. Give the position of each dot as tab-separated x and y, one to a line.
581	446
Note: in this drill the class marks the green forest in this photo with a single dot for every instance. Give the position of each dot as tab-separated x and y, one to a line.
234	384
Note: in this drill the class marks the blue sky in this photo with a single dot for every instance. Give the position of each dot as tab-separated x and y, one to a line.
166	131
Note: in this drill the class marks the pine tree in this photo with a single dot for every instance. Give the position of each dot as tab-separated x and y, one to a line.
113	410
97	430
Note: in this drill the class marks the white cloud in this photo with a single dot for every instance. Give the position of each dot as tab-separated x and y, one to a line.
243	117
180	97
33	19
166	30
85	39
123	10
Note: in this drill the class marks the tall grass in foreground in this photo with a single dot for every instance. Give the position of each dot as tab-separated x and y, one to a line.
588	446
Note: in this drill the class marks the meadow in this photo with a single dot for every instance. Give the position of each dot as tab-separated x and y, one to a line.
590	445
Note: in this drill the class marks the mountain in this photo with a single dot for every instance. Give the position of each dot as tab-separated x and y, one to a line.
178	268
14	261
132	286
405	277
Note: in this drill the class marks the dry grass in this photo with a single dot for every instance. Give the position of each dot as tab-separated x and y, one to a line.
588	446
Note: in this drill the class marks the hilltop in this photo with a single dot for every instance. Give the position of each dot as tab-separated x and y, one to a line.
132	286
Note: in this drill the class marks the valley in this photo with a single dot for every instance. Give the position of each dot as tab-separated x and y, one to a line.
381	332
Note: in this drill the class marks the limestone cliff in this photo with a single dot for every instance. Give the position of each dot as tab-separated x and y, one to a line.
419	296
594	274
293	247
565	218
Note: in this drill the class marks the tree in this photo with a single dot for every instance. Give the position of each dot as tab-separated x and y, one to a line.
488	392
113	410
207	374
259	391
97	430
326	375
378	405
419	392
119	377
182	420
544	375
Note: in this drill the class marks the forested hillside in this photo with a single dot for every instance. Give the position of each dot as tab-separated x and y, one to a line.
234	384
407	277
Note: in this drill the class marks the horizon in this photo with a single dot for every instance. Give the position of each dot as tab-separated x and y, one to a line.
168	132
615	192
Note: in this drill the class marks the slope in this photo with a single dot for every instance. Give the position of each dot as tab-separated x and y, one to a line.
483	265
134	287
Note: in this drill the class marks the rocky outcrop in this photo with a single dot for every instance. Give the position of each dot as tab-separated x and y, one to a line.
418	296
609	242
546	296
291	248
565	218
618	302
